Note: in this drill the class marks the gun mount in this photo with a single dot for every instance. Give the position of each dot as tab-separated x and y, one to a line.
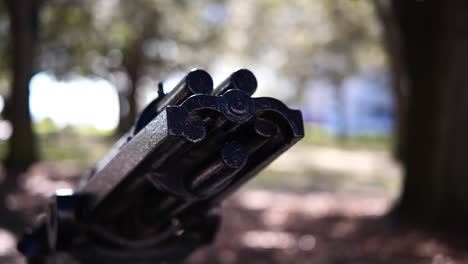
156	196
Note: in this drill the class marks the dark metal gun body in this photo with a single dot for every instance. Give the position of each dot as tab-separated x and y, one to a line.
156	197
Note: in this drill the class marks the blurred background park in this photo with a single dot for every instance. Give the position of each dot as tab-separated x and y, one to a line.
380	176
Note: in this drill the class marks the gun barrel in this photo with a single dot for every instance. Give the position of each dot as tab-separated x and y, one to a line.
195	82
242	79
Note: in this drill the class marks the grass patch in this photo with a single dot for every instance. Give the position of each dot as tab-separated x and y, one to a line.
86	150
71	146
322	180
87	145
319	136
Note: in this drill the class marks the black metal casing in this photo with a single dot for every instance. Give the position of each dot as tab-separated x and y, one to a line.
156	196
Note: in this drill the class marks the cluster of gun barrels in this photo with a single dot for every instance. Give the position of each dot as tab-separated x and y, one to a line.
200	144
200	82
233	156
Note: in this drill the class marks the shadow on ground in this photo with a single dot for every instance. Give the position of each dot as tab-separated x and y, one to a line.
340	229
263	226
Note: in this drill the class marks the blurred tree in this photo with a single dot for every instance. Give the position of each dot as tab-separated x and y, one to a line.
24	23
126	42
392	45
430	37
66	37
4	50
306	40
157	37
19	57
121	40
131	42
26	56
141	28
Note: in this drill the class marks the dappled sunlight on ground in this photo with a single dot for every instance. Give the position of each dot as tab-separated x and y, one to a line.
7	242
272	227
331	224
40	182
44	178
319	204
278	227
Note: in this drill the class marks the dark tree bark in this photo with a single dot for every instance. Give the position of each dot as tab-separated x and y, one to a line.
133	64
392	45
135	61
128	108
434	41
22	149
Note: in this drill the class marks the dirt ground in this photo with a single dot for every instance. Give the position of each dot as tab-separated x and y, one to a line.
266	226
327	228
324	228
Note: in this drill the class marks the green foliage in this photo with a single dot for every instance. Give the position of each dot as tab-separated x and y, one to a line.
299	40
318	135
78	36
65	38
87	130
305	39
46	126
85	149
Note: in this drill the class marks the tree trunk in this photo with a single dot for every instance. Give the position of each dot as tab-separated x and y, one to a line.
392	44
22	149
434	38
128	101
128	107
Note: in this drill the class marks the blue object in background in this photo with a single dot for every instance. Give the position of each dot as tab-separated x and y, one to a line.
366	107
